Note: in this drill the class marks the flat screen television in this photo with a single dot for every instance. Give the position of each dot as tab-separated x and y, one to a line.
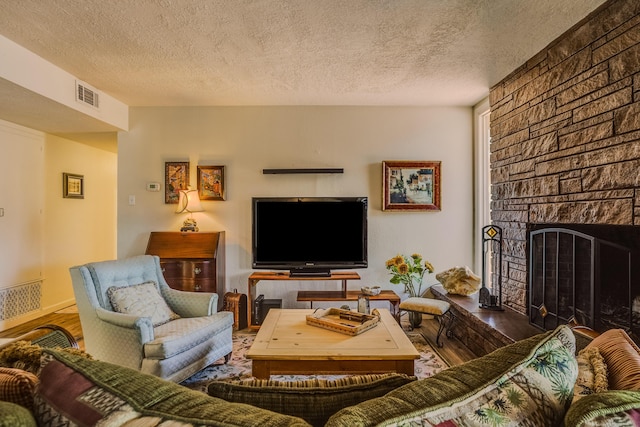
309	236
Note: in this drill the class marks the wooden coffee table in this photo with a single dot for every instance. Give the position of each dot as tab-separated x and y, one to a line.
285	344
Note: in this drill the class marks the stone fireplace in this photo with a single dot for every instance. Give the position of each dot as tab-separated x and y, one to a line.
587	274
565	153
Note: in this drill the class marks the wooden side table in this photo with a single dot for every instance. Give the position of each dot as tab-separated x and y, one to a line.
385	295
271	275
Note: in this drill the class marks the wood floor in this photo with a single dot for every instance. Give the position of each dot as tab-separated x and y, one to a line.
453	352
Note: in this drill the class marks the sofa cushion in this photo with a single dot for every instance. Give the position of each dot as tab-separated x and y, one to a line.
26	356
17	386
182	334
592	373
77	391
611	408
142	300
528	381
14	415
622	357
313	400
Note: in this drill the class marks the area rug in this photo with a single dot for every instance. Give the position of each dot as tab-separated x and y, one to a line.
240	368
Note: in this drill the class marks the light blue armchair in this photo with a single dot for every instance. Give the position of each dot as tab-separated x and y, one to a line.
174	350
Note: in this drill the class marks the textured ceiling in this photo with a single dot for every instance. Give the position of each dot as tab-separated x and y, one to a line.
290	52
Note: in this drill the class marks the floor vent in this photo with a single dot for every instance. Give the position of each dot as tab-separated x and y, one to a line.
20	300
87	95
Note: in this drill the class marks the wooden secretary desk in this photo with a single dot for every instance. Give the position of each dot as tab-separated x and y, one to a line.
191	261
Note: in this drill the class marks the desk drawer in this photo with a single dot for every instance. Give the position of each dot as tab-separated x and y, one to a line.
193	285
190	275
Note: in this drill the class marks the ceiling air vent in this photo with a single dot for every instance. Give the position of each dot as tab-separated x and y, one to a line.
86	94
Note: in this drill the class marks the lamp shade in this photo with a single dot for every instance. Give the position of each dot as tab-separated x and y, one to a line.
189	201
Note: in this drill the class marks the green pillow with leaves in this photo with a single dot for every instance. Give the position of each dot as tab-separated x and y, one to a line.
530	381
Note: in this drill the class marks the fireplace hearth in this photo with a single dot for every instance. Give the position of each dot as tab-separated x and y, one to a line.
584	274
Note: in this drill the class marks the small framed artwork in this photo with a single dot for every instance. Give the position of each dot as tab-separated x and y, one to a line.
72	186
176	178
211	182
411	186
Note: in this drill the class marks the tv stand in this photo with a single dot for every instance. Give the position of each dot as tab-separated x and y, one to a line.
285	276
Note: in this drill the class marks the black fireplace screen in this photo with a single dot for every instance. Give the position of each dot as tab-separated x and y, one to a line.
576	277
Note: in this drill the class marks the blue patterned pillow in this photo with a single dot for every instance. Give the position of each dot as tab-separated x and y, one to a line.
143	300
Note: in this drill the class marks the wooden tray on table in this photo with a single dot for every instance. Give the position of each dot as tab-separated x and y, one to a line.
344	321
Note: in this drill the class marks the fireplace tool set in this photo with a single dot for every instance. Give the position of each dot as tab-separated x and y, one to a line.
491	236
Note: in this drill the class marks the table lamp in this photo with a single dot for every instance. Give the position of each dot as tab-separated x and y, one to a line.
189	201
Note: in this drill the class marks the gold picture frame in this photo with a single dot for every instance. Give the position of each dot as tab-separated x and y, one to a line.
176	178
72	186
211	185
411	186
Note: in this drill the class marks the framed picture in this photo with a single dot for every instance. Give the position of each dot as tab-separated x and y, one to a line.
72	186
211	182
411	186
176	178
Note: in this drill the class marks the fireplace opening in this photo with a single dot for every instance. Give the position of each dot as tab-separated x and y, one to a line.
584	274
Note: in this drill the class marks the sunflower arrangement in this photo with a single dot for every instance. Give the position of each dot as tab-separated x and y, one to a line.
409	271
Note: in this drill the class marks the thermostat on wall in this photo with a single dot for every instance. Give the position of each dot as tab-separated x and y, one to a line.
153	186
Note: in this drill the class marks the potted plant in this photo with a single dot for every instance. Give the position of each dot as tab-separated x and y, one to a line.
410	272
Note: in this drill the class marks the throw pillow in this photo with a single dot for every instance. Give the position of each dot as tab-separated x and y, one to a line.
142	300
14	415
529	382
17	386
75	391
312	400
622	357
26	356
592	373
613	408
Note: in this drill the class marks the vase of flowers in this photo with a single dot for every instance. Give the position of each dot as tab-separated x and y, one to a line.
410	271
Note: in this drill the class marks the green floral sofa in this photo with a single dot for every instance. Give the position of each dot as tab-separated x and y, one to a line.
531	382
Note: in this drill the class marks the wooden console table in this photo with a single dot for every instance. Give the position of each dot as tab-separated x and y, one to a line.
271	275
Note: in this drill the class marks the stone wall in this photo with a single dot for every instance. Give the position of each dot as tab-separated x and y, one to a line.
565	136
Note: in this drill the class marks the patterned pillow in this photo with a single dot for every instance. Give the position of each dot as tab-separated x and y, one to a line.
613	408
313	400
529	382
143	300
592	373
75	391
17	386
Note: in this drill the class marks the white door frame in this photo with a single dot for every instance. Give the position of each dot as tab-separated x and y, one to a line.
482	177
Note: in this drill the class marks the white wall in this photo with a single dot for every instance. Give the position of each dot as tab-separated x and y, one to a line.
77	231
249	139
41	233
22	199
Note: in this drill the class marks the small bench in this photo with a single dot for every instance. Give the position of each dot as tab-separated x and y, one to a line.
434	307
